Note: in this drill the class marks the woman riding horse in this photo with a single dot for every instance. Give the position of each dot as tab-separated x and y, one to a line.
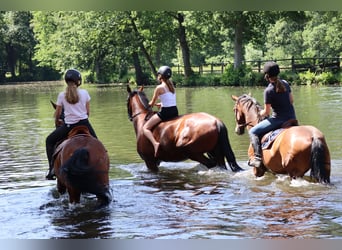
165	91
294	151
198	136
76	107
277	96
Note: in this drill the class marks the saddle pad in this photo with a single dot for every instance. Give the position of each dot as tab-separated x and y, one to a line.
270	137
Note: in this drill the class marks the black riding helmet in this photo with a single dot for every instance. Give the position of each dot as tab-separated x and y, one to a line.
165	71
271	69
73	75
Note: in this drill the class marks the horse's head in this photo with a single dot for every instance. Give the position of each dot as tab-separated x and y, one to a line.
60	120
246	110
137	103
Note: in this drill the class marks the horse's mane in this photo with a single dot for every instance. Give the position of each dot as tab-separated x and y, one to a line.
249	101
143	98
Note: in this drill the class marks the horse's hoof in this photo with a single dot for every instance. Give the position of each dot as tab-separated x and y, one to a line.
258	172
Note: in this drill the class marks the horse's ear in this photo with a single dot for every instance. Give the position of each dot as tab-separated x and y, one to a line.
53	104
129	89
234	97
141	88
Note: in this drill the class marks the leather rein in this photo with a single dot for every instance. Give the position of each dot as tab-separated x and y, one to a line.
147	108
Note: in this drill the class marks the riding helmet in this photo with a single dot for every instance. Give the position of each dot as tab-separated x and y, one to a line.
73	75
271	68
165	71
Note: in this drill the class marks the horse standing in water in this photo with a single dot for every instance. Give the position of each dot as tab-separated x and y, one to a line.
198	136
294	151
81	165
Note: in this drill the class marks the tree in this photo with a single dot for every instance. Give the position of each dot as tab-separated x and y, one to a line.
19	42
244	27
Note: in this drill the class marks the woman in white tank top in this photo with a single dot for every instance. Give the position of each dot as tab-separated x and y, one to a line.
165	91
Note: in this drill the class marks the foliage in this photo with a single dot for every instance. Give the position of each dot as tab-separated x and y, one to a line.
242	76
107	45
323	78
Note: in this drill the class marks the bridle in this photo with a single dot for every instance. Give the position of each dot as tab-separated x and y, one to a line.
246	124
147	107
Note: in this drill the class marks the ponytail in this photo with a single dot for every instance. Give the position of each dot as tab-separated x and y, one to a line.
280	87
71	94
170	85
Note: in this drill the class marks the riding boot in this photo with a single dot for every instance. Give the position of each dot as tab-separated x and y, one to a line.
51	174
257	161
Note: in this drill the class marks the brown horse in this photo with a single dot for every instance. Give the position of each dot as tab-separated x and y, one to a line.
296	149
81	165
198	136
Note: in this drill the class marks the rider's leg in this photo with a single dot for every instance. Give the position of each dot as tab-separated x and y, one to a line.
255	135
57	135
255	142
147	129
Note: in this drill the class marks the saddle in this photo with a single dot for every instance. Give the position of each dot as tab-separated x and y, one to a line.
268	139
76	131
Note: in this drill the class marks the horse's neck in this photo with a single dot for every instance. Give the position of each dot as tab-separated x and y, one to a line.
252	117
139	122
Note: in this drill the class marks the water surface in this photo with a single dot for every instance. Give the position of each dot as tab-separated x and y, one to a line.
184	200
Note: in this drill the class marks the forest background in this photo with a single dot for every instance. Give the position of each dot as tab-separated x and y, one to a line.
129	46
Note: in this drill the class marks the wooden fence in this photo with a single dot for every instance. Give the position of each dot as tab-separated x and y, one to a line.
317	65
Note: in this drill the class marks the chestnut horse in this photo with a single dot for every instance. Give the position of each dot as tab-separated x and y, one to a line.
81	165
199	136
294	151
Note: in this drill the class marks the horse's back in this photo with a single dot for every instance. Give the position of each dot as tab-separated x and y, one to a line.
292	149
190	128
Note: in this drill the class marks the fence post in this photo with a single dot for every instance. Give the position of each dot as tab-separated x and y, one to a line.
259	66
293	64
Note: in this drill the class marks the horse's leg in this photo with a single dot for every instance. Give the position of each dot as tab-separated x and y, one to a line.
104	198
61	187
260	171
209	163
152	164
74	195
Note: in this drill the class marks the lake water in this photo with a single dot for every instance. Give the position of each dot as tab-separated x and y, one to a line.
184	200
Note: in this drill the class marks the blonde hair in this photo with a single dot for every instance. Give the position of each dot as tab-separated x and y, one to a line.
170	85
71	94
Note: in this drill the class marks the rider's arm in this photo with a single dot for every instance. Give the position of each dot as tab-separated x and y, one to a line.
58	113
266	111
88	108
291	98
155	96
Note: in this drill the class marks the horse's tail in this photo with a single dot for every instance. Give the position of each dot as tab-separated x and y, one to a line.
226	148
319	153
79	174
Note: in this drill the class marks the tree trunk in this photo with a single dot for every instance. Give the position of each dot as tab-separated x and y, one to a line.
11	59
184	46
139	75
141	45
238	46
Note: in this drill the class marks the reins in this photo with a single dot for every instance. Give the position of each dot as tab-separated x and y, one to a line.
258	119
147	108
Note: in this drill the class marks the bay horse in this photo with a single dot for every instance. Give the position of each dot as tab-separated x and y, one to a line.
81	165
198	136
296	150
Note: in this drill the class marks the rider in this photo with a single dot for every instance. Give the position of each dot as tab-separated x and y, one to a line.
165	91
74	102
277	96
